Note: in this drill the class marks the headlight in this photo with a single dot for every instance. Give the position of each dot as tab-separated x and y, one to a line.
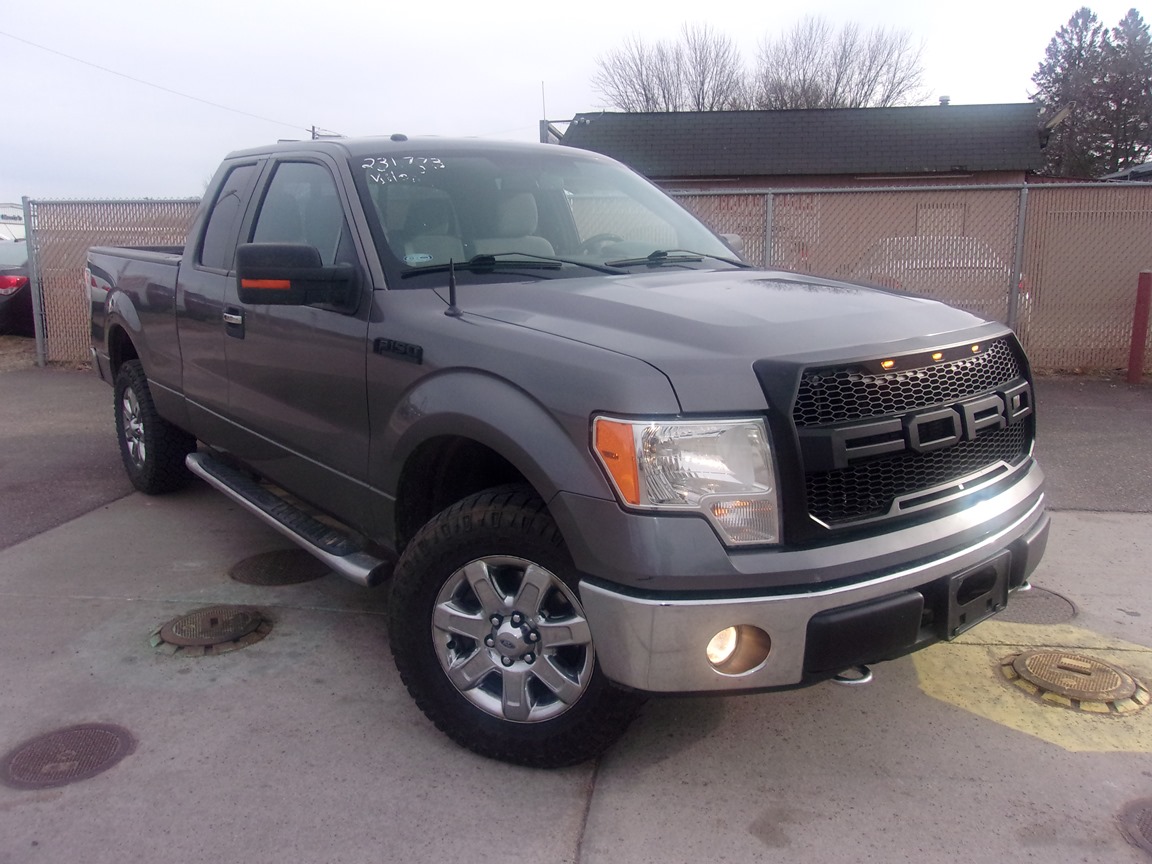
721	468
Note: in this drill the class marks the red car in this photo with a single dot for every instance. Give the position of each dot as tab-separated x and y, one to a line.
15	290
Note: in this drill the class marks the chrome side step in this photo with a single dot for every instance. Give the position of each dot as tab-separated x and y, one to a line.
337	550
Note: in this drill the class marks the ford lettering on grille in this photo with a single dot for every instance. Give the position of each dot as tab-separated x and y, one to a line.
833	447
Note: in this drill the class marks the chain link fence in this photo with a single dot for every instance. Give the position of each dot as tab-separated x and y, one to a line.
1058	262
59	234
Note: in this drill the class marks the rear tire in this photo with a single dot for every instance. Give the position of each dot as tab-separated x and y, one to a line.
153	449
491	640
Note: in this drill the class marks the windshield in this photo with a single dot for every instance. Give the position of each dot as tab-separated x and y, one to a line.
551	204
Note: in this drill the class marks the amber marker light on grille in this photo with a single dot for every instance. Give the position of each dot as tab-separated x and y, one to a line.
975	349
887	364
938	356
615	443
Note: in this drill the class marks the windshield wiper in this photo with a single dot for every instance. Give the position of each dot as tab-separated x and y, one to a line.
674	256
527	261
480	263
599	268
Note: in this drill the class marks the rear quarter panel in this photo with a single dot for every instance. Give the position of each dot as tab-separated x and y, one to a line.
134	290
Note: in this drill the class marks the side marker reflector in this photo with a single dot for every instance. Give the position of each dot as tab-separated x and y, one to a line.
267	284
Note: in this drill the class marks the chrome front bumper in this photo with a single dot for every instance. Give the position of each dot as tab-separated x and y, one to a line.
658	645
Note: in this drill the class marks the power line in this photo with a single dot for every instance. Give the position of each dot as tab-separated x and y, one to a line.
156	86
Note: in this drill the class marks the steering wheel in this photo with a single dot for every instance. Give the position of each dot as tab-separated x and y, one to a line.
596	242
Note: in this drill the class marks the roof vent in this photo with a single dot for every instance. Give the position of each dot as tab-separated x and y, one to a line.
945	101
399	136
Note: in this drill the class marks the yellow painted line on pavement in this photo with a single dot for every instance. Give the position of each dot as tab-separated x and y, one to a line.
966	673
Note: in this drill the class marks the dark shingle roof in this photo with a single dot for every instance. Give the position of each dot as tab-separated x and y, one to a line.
1132	172
916	140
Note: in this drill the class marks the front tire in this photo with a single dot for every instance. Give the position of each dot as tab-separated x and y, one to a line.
153	449
490	638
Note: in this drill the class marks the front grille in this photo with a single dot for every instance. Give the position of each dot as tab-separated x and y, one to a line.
867	490
852	393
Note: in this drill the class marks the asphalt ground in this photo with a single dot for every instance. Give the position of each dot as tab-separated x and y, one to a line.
305	747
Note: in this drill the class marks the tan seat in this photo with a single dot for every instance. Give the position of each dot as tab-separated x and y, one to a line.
515	228
431	231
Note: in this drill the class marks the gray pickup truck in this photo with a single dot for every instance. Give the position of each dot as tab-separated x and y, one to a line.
597	454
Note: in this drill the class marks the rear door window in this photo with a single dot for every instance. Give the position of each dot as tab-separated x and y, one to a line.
218	250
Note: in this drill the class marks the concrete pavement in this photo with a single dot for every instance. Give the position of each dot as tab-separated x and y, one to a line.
58	453
1095	443
306	748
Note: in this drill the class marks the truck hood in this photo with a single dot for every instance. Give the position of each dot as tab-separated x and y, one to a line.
704	329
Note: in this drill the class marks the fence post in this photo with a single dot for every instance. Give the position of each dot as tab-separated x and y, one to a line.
1018	260
1140	328
768	230
34	283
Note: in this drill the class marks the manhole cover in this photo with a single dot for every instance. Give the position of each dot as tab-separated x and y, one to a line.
212	630
66	756
1075	681
1037	607
282	567
1136	822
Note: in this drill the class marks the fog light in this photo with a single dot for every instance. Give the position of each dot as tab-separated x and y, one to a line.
722	646
738	650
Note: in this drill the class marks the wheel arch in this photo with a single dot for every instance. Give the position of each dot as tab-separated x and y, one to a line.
121	348
443	470
461	433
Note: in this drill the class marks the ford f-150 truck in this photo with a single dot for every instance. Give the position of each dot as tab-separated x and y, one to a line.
598	454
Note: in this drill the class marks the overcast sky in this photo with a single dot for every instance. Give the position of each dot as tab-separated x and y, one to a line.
422	68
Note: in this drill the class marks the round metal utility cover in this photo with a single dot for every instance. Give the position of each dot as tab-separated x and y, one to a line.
281	567
1136	820
66	756
1075	675
1037	606
212	625
1075	681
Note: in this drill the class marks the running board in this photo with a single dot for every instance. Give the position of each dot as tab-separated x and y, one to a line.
337	550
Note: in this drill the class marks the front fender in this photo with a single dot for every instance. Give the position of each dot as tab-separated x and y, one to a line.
550	449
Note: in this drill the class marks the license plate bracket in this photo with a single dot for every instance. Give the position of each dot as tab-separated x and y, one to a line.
977	593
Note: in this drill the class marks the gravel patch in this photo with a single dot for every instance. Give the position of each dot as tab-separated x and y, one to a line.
17	352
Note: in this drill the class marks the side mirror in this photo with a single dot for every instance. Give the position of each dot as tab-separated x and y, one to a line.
291	274
734	242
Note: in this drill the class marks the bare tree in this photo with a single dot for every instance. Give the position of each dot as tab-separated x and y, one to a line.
702	71
814	66
632	78
713	70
